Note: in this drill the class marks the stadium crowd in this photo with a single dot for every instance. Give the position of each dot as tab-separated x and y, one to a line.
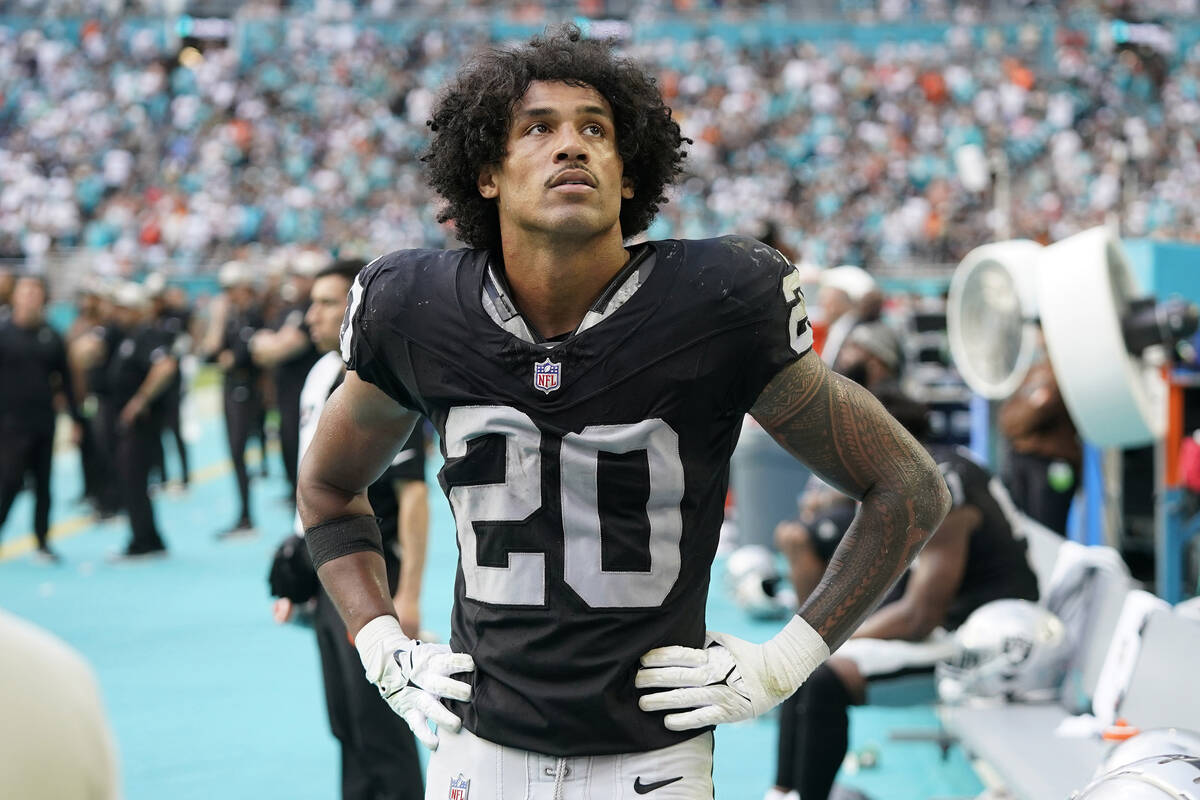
146	151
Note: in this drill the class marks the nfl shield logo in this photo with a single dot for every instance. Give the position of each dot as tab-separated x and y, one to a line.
459	787
546	375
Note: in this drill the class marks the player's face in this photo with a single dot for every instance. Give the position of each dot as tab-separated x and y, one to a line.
561	174
325	313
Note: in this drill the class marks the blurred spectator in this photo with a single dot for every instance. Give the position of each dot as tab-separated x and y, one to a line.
55	742
36	381
149	150
1045	454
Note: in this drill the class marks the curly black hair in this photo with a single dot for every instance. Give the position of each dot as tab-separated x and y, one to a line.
472	117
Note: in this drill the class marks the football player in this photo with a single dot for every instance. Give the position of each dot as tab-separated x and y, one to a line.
588	396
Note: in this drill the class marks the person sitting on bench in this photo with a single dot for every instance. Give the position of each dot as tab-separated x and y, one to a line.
976	556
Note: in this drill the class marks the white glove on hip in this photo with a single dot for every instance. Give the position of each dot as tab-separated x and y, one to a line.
412	676
730	679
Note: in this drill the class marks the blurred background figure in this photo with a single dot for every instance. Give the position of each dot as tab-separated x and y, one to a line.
287	351
84	336
1045	453
8	280
35	382
55	742
140	369
379	755
871	356
171	317
842	290
236	317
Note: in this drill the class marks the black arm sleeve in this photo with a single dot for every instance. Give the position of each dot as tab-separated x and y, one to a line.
341	537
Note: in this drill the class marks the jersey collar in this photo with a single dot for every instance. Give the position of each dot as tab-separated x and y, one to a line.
497	298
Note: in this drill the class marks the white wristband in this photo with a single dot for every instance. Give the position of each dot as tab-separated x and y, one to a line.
376	641
794	653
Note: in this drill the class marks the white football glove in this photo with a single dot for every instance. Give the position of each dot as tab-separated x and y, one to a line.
730	679
412	676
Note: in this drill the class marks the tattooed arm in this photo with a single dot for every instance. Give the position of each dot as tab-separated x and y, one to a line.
841	432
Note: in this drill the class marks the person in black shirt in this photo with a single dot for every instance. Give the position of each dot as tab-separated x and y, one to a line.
235	320
36	381
379	754
91	310
288	352
977	555
172	319
139	370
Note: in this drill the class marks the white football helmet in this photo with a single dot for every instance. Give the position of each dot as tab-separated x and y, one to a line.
753	579
1010	649
1164	777
1153	742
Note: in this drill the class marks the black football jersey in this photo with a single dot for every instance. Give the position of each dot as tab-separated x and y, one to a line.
997	561
587	476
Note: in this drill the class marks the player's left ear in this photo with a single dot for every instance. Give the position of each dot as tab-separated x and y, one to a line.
487	183
626	188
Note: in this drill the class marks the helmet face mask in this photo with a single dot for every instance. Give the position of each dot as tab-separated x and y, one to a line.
1011	650
1150	743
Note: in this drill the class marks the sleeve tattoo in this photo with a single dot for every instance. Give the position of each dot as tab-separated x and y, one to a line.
841	432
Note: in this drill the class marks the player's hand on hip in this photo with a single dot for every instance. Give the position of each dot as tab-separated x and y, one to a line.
730	679
413	676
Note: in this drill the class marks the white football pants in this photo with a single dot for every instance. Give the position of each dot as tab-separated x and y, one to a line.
465	767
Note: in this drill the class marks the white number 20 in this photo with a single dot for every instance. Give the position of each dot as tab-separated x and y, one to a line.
519	496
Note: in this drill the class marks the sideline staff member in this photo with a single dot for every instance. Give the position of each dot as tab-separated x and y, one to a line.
235	320
33	361
139	371
379	754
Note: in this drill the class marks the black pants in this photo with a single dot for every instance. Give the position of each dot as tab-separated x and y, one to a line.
814	729
104	457
27	451
379	752
1044	497
135	455
287	398
243	410
171	424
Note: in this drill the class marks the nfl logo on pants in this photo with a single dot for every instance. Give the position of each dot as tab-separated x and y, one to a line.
546	375
459	787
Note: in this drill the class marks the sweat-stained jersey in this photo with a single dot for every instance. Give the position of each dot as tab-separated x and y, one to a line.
587	476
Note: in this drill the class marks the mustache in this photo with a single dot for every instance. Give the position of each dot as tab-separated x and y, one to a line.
570	168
